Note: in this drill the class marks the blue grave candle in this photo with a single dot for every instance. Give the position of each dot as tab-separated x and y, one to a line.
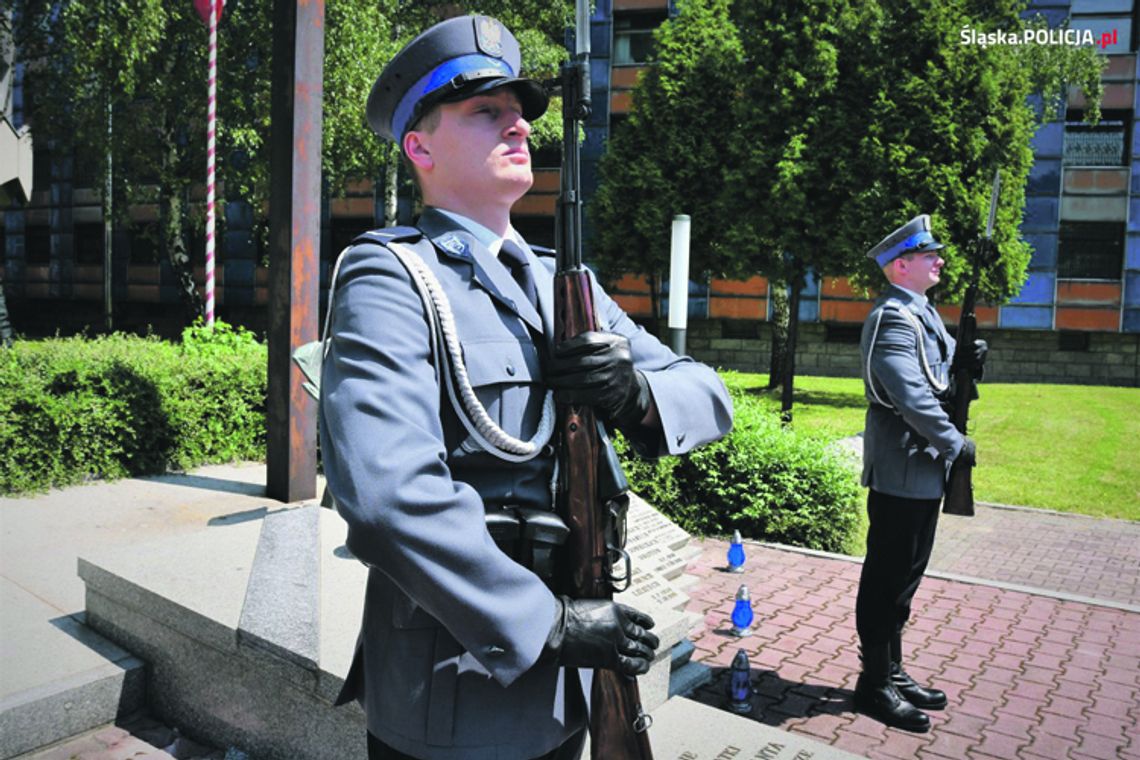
736	554
740	684
742	612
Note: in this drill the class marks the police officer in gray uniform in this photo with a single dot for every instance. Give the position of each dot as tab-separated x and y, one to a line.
432	454
909	443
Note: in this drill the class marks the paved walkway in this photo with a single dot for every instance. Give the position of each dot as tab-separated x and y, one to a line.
1031	674
1028	676
1073	554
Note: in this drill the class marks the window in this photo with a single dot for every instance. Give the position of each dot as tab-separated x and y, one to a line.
1106	144
633	37
194	239
41	168
37	244
535	229
344	229
145	243
86	171
89	243
1091	250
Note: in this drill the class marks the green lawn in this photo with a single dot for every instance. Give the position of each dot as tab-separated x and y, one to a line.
1065	447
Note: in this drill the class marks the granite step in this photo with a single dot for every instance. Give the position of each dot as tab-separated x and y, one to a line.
60	677
236	669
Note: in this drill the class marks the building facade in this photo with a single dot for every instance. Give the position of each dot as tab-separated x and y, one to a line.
1076	319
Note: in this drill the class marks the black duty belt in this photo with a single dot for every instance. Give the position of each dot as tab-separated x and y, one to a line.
528	536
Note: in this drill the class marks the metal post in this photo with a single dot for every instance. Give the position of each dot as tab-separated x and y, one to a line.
294	241
211	122
108	226
679	283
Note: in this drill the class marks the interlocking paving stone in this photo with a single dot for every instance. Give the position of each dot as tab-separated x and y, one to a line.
1024	679
113	743
1075	554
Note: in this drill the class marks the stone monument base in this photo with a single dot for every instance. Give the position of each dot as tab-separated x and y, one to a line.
248	628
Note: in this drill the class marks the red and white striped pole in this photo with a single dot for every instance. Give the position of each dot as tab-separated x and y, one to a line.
211	113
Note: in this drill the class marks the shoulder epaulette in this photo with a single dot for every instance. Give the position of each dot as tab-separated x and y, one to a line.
389	235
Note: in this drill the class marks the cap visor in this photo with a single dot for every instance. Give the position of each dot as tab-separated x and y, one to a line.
532	97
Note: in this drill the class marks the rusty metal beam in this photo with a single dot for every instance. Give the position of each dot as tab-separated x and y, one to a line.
294	241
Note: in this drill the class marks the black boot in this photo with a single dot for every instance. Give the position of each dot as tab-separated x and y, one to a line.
876	695
919	696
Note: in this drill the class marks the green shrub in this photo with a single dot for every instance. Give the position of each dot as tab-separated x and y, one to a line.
764	480
73	409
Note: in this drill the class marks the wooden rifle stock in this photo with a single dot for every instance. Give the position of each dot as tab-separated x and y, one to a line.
618	727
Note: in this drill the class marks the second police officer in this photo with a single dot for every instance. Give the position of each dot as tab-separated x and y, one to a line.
909	444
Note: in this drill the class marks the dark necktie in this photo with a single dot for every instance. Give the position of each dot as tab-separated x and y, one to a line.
937	326
515	260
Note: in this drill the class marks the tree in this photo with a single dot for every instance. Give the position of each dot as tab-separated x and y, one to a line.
968	110
124	83
785	183
846	119
900	118
145	63
668	158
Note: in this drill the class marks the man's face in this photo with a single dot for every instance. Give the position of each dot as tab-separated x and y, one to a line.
918	271
477	154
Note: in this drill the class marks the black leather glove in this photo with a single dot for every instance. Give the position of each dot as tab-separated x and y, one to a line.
968	456
597	633
596	368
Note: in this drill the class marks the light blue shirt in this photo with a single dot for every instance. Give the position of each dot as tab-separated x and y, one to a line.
920	297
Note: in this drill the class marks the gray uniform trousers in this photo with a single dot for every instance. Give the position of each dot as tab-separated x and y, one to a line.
448	661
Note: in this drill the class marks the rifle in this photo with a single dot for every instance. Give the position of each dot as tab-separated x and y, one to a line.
618	726
959	497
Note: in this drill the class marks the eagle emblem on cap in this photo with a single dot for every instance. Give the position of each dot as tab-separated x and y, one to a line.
489	36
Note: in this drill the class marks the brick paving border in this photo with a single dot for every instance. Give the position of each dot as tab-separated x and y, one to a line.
134	737
1028	676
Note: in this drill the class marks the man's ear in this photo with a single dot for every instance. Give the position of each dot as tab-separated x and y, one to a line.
417	151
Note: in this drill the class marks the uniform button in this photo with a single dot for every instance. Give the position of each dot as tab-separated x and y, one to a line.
495	651
511	370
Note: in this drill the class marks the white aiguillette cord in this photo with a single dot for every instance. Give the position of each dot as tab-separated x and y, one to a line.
471	412
920	336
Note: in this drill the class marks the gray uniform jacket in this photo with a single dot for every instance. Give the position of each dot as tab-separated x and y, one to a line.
448	662
908	442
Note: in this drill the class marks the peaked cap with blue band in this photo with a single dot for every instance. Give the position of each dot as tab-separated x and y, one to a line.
912	237
452	60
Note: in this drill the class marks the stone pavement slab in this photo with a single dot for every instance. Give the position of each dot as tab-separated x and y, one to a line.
40	536
1072	554
52	667
1028	676
58	677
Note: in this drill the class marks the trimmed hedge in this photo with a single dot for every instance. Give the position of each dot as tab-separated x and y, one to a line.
73	409
765	480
